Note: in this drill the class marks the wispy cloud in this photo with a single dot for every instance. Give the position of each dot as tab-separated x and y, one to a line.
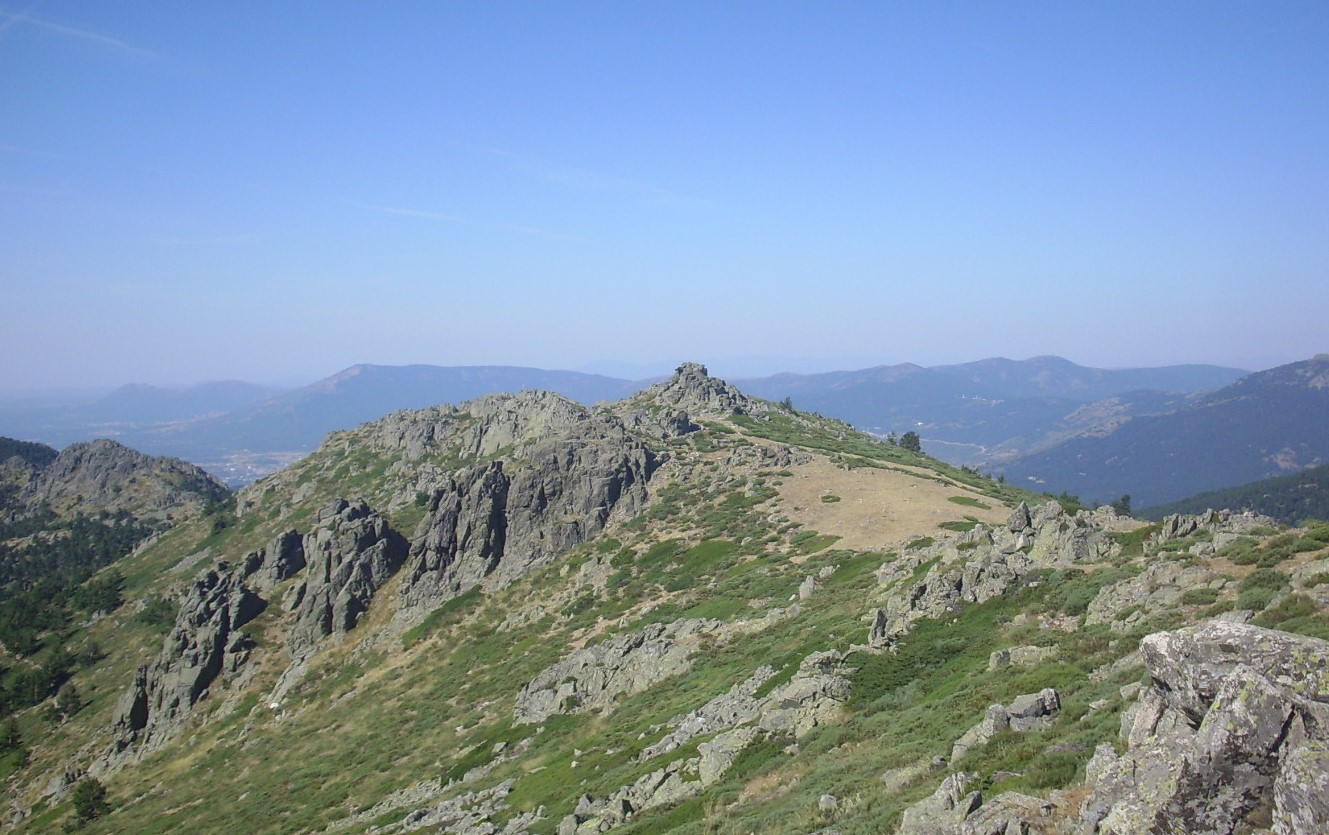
585	180
237	239
466	221
9	19
397	210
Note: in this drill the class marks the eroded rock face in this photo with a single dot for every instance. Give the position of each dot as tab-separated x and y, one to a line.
1229	735
494	522
205	643
350	554
347	557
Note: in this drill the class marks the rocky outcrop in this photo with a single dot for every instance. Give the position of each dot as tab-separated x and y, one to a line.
1159	587
986	561
1181	525
205	643
593	678
1232	735
671	784
814	696
1024	714
105	475
495	521
727	710
350	554
1026	656
945	810
345	559
946	587
694	391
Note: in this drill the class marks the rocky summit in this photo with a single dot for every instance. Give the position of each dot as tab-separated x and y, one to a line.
689	611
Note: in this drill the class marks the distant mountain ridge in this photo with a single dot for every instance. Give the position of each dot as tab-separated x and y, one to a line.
981	412
1269	423
978	413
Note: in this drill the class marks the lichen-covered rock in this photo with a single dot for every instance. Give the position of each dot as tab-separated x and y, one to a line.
594	677
351	553
945	809
1230	734
1301	793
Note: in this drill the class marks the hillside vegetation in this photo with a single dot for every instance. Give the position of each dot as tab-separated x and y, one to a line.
688	611
1290	499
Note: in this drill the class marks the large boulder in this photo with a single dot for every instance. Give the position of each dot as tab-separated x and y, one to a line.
1230	736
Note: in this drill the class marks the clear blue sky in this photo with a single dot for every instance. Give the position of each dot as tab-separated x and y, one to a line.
274	191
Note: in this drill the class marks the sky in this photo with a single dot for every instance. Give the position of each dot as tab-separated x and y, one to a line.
275	191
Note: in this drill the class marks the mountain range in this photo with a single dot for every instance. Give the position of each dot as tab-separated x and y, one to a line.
1157	434
690	610
1266	424
973	414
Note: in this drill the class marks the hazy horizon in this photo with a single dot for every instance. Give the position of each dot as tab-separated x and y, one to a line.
736	369
275	193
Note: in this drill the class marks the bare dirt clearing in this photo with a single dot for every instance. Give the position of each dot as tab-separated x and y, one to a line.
876	508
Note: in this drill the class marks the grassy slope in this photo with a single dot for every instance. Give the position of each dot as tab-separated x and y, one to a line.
373	719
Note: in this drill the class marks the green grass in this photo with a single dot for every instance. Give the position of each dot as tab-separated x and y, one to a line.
969	501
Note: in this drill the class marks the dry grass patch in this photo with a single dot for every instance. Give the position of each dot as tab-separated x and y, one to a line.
877	507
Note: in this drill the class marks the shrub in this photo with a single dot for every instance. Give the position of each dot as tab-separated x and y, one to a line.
89	799
1199	597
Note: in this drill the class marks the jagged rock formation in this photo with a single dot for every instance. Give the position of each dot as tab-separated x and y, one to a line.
350	554
1234	731
496	521
105	475
694	392
205	643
